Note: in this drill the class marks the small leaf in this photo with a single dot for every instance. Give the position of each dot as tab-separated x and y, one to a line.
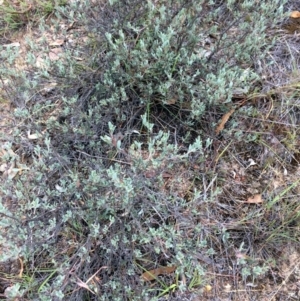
48	88
255	199
16	44
33	136
150	173
227	287
295	14
57	42
171	101
251	163
152	274
55	54
3	167
12	173
59	188
224	119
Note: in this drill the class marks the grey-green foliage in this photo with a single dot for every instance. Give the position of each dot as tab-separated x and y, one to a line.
110	210
191	52
85	203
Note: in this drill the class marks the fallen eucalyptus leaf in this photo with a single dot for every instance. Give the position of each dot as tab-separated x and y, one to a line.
255	199
152	274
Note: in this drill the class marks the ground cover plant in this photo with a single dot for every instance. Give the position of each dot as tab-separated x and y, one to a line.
149	152
15	14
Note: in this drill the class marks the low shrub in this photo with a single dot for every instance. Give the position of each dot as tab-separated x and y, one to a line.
108	172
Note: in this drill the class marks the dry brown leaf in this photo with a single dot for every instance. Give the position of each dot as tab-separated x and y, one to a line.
57	42
171	101
150	173
152	274
7	152
255	199
10	170
224	119
166	175
55	54
295	14
40	62
21	267
78	58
